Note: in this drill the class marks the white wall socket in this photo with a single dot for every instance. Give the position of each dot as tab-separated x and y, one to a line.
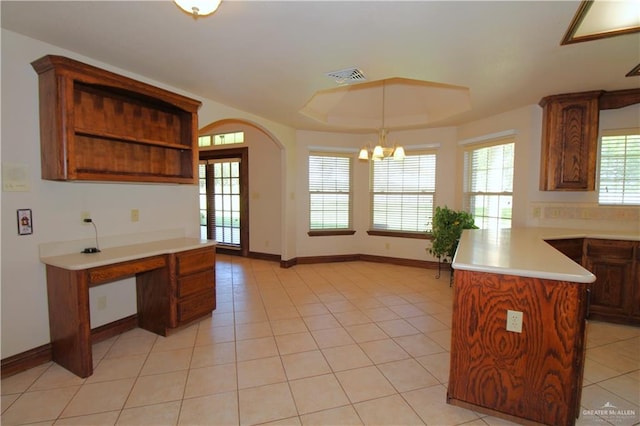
101	302
514	321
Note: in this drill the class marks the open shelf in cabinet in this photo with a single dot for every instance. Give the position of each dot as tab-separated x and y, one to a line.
99	126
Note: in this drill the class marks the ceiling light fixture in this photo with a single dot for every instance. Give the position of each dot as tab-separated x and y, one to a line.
382	150
198	8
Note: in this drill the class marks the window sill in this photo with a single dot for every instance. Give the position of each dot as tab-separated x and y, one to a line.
400	234
331	232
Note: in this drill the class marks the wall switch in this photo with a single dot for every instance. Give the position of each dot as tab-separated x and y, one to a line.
135	215
514	321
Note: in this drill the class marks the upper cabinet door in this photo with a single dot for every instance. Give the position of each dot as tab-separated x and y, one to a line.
569	141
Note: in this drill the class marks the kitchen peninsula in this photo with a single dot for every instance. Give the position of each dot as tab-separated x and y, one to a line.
175	285
528	371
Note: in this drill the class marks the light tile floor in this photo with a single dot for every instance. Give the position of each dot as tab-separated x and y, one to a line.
325	344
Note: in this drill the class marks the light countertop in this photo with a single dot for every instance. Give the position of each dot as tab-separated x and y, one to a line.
111	255
524	252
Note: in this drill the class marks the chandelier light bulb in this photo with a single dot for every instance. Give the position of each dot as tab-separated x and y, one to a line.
398	153
198	8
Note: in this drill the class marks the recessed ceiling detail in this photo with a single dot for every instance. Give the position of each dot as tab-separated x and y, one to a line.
347	76
407	104
596	19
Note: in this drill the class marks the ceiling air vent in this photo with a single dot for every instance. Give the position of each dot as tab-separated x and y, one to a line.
346	76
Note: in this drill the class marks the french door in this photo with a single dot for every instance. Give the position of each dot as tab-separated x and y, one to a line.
223	199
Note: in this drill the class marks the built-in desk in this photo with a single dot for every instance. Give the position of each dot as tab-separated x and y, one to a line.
175	284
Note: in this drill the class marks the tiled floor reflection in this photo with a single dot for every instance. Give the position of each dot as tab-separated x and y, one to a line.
327	344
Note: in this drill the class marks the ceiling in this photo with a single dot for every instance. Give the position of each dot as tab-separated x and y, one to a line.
268	58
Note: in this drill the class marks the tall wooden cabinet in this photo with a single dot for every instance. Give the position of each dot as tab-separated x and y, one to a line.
569	141
100	126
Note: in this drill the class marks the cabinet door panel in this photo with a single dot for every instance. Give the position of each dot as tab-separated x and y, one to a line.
608	290
614	292
569	141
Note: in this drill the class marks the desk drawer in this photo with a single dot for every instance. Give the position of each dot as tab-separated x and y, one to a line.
103	274
196	282
197	305
195	260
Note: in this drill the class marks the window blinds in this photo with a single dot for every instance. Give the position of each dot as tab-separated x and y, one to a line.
488	185
329	192
403	193
620	169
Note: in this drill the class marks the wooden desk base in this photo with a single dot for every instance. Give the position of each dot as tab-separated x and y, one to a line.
69	313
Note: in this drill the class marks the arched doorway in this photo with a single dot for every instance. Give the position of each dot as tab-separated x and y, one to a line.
240	188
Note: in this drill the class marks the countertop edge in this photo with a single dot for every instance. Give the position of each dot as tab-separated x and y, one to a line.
584	279
112	255
524	252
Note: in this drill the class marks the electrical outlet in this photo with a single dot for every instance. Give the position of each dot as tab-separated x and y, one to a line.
537	212
514	321
83	216
101	303
135	215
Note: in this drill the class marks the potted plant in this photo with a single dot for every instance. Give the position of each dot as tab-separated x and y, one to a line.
446	231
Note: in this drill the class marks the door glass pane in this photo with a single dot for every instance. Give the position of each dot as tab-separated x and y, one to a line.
225	200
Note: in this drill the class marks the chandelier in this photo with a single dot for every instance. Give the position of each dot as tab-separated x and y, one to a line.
198	7
382	150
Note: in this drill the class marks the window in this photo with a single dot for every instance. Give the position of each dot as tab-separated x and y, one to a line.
403	193
329	192
488	183
221	139
620	167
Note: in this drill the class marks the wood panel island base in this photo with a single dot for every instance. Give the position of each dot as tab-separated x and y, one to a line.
532	377
518	328
175	284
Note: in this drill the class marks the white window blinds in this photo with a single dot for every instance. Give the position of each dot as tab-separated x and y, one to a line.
329	191
620	168
488	184
403	193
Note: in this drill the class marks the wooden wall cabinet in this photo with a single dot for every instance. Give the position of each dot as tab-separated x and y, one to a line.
615	294
100	126
569	141
533	377
193	286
